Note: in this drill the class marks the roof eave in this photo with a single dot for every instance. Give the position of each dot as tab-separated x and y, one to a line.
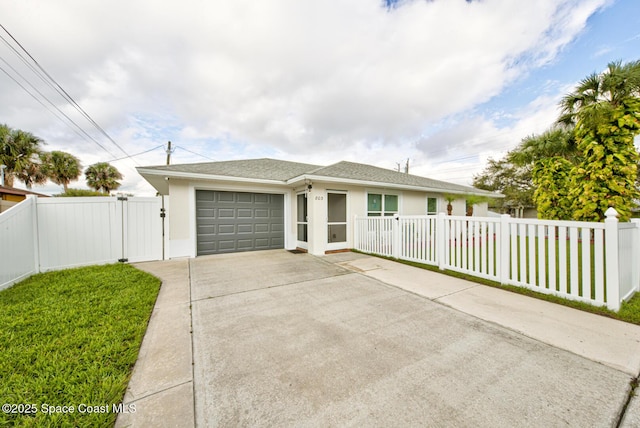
166	175
367	183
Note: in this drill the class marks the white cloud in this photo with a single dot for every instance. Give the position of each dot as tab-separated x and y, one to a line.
305	80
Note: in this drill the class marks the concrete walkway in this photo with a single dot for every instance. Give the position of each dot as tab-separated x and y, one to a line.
347	339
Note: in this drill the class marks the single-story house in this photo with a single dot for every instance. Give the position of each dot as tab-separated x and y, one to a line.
242	205
9	196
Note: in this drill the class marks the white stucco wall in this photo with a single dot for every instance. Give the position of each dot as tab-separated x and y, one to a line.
182	222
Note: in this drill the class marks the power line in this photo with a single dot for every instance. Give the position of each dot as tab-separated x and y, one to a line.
198	154
51	82
82	131
137	154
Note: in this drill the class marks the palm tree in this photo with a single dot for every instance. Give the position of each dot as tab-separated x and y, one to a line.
604	91
62	167
34	173
103	177
19	150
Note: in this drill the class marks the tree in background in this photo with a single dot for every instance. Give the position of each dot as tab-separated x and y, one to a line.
102	176
607	175
62	167
19	151
605	109
610	89
79	193
587	162
552	179
551	156
512	180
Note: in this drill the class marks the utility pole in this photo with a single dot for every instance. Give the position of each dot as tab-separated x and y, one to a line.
406	167
169	151
163	213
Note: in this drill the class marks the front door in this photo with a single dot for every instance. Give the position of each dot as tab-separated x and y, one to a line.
336	220
302	220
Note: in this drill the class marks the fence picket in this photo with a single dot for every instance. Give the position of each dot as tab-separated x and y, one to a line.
531	265
598	268
586	263
573	263
562	260
541	262
551	257
555	257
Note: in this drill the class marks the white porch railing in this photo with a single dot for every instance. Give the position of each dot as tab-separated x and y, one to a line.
595	263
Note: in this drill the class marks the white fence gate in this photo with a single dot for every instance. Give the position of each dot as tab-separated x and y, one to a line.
42	234
595	263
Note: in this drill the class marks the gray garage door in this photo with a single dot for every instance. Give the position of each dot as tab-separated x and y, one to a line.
229	222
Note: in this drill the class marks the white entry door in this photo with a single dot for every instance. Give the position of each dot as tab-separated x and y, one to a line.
336	220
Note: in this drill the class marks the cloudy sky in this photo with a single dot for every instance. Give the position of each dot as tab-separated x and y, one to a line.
444	83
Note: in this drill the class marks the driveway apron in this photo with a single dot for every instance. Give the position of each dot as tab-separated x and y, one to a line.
282	339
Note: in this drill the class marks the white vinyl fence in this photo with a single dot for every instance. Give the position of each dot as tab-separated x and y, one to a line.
41	234
595	263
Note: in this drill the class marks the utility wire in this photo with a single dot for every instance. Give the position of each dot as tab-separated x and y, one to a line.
198	154
58	88
137	154
81	133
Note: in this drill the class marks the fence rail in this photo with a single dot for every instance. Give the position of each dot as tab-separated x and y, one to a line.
41	234
595	263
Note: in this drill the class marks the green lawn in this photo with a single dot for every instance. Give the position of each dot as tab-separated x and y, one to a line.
71	338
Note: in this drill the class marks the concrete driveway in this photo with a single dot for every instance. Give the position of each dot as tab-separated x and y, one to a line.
282	339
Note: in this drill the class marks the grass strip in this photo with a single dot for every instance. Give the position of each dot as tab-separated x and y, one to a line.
71	338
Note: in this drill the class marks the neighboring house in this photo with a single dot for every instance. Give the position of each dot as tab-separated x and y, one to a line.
10	196
220	207
523	212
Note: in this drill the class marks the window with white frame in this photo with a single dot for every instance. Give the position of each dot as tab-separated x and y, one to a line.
432	206
380	204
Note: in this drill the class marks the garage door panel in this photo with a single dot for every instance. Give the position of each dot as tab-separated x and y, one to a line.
229	213
229	245
244	198
261	213
263	228
262	243
245	213
245	244
223	197
205	196
262	198
238	221
245	228
207	246
204	229
226	229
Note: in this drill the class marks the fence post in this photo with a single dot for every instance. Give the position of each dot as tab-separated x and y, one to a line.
612	268
395	237
33	200
636	253
504	256
356	226
441	237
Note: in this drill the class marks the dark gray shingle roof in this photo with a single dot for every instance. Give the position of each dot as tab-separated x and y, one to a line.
263	169
278	170
362	172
